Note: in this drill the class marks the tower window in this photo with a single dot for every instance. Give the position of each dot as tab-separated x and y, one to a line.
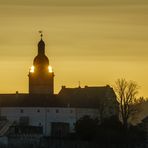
57	111
32	69
50	69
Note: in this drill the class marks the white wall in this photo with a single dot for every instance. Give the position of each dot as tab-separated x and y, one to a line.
47	115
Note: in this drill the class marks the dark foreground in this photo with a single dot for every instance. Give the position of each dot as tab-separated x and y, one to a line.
62	143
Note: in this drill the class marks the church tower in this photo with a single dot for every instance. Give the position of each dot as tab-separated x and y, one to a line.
41	76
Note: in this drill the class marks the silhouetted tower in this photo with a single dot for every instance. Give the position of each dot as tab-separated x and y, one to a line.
41	76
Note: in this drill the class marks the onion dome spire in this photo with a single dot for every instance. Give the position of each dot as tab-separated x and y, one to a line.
41	60
41	45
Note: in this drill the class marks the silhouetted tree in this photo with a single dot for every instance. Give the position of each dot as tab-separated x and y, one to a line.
126	92
138	106
112	122
135	135
142	100
110	131
86	127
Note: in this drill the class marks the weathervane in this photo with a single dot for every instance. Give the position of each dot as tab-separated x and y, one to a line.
41	33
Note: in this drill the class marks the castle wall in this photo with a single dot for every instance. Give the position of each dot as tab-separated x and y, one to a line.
46	116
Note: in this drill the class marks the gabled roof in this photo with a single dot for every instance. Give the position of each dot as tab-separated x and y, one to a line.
87	96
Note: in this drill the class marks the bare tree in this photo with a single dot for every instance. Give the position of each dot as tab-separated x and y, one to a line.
138	106
126	92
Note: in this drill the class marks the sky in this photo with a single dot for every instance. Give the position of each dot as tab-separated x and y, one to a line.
91	41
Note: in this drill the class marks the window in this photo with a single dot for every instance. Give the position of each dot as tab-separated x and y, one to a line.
21	111
38	111
57	111
24	120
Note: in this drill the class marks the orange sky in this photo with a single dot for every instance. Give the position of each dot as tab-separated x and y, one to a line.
92	41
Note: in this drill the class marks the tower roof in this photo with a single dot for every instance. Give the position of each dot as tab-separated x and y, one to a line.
41	60
41	46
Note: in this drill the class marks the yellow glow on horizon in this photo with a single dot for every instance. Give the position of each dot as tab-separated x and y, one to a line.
32	69
50	69
95	42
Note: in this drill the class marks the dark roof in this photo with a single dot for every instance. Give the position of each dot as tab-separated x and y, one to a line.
87	96
74	97
29	100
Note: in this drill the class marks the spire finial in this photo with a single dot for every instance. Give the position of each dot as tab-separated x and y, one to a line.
41	33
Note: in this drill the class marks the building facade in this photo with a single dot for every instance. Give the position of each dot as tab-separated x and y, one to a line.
53	114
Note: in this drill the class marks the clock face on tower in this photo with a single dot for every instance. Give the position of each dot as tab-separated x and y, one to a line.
41	76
